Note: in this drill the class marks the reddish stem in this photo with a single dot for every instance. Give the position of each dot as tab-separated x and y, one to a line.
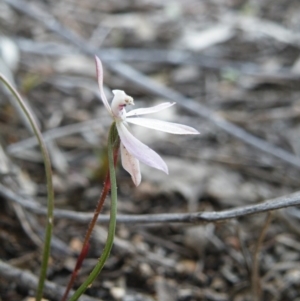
86	245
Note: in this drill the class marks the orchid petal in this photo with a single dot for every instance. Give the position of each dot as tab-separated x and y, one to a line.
150	110
139	150
131	165
164	126
99	70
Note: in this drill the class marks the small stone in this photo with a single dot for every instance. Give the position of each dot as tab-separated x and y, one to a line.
117	292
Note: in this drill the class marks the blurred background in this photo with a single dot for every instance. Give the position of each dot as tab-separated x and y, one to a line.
235	60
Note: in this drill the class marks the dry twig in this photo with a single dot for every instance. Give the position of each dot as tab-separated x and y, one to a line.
170	56
52	134
198	217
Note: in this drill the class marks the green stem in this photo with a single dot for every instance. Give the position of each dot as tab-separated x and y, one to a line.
113	143
85	245
50	193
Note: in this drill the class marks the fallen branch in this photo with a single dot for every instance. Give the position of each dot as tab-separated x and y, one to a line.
56	133
198	217
169	56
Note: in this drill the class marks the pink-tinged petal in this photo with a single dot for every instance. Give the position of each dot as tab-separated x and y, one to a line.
164	126
131	165
99	70
150	110
139	150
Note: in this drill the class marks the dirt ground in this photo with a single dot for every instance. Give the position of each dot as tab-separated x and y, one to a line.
234	60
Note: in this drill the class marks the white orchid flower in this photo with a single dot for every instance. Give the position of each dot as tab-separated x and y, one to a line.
133	150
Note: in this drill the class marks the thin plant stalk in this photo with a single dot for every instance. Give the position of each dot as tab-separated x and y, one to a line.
85	245
113	146
50	192
256	290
